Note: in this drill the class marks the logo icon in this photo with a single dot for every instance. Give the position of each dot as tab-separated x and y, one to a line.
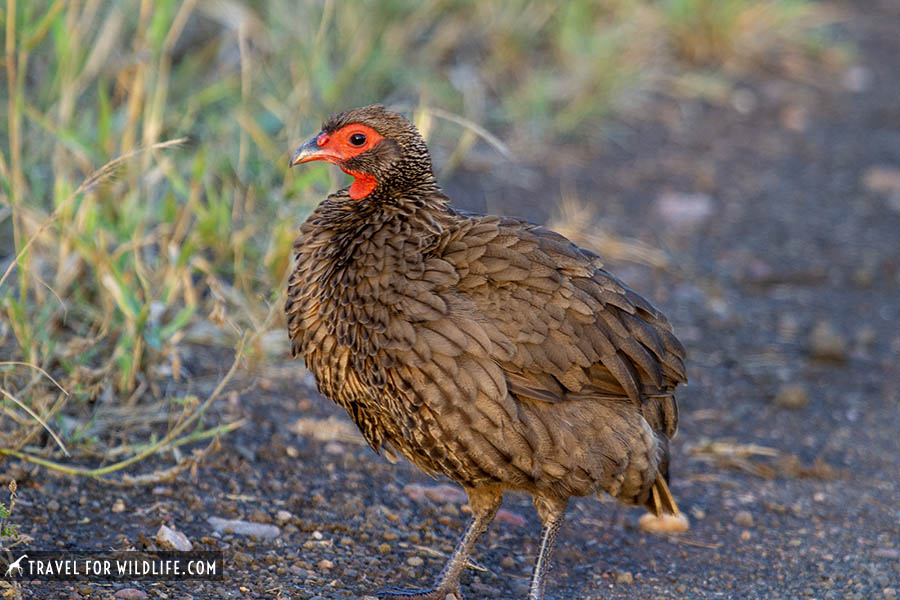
15	565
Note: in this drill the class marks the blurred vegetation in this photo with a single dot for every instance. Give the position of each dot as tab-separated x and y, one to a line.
109	273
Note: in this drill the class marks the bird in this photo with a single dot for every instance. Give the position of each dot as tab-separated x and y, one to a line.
484	348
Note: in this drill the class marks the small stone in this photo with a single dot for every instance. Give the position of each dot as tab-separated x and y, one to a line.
698	513
118	506
857	79
508	562
793	396
346	541
283	516
53	506
744	101
745	535
882	179
334	448
795	117
670	523
743	518
171	539
442	494
825	343
683	211
625	577
384	548
866	335
325	564
510	518
241	558
317	535
260	516
415	561
240	527
889	592
130	594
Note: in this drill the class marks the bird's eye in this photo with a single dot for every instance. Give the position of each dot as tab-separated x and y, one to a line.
357	139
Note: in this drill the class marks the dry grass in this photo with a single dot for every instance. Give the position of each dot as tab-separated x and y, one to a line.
110	273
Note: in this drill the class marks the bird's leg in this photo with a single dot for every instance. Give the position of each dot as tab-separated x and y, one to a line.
484	503
551	511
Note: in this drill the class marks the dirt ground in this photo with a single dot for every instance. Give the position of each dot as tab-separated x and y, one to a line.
779	210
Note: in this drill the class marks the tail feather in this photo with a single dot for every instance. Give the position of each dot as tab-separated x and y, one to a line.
661	501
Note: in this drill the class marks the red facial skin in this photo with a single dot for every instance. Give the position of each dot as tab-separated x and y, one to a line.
336	148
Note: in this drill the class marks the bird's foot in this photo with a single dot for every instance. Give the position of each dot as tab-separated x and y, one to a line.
441	593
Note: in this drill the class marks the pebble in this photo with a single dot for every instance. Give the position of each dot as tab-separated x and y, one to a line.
260	516
510	518
118	506
334	448
442	494
283	516
792	395
508	562
857	79
795	117
866	335
384	548
683	210
625	577
415	561
882	179
171	539
825	343
239	527
53	506
744	101
130	594
325	564
743	518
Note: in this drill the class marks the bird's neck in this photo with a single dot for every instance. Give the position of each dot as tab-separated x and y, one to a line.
341	230
350	245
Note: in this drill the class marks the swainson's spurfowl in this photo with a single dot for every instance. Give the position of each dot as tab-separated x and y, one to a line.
484	348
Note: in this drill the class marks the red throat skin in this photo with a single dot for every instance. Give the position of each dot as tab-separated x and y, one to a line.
363	184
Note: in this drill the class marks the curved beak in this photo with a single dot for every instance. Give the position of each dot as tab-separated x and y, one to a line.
310	150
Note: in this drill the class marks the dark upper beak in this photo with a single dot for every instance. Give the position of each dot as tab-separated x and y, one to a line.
310	150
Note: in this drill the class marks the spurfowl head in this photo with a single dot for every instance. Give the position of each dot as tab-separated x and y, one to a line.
381	149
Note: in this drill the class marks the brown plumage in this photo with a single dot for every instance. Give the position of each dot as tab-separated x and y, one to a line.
484	348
